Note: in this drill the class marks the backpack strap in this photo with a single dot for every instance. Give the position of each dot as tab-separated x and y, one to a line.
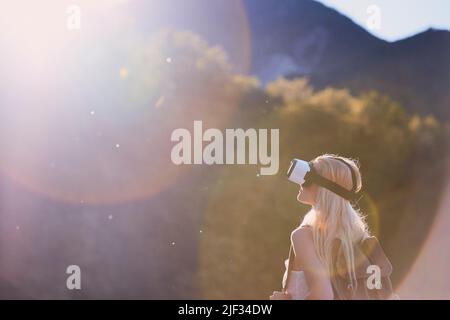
374	252
376	255
367	252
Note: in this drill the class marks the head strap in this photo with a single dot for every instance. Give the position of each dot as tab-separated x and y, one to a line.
313	176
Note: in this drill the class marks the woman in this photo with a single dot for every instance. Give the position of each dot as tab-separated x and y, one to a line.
331	218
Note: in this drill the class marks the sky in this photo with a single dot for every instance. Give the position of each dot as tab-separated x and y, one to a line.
398	19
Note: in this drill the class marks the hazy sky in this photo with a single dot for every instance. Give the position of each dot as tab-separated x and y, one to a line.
398	18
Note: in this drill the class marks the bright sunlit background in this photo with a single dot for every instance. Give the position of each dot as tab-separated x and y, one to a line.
86	116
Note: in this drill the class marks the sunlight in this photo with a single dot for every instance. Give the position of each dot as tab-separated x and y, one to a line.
97	81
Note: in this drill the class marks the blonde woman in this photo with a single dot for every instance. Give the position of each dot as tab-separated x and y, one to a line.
329	185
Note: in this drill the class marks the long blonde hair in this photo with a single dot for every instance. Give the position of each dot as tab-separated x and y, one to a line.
333	217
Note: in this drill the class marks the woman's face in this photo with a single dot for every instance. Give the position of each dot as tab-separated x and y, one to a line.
307	195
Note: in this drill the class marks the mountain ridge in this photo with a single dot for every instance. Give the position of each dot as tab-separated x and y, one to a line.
308	39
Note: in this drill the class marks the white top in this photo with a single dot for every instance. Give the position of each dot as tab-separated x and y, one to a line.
297	286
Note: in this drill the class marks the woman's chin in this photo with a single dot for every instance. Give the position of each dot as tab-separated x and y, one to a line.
303	201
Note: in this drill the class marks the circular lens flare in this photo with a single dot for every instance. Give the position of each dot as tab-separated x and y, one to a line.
96	122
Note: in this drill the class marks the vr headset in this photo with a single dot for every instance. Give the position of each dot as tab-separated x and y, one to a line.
304	174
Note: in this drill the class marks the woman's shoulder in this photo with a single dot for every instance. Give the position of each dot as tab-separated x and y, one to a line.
302	235
303	243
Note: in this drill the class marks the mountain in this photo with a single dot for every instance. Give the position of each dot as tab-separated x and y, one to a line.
295	38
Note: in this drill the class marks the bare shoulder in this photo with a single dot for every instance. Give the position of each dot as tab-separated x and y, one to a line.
305	254
302	236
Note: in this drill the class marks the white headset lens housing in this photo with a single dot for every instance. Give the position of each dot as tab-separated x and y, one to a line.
297	171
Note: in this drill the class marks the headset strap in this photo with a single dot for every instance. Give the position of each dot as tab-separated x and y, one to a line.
332	186
350	195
